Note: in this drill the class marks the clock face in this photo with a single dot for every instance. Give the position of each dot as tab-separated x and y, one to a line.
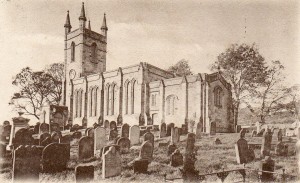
72	74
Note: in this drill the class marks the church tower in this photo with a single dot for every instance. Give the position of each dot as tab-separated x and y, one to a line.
85	52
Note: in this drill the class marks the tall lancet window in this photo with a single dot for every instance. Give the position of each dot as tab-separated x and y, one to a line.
72	51
127	97
218	96
94	52
133	85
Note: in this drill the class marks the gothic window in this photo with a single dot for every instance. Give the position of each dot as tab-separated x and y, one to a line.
218	96
107	99
133	85
95	101
113	88
171	104
76	104
94	52
72	51
80	103
126	97
91	102
153	100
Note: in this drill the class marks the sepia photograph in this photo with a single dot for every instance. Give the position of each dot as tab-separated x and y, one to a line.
149	91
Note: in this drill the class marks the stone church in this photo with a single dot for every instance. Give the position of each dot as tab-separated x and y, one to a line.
140	94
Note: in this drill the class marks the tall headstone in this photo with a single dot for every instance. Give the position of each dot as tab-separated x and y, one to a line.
189	172
266	143
84	173
125	130
74	145
26	163
169	127
44	127
55	157
124	144
112	125
241	149
199	130
149	137
106	124
111	163
6	133
86	148
175	135
213	128
134	134
146	151
99	140
18	123
163	130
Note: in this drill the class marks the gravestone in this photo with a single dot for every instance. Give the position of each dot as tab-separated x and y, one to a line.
2	150
86	148
281	149
74	128
74	148
134	134
184	129
84	173
266	143
90	133
176	158
112	125
267	164
113	134
6	133
20	123
46	141
66	139
175	135
199	130
111	165
163	130
169	127
146	151
253	133
106	148
54	127
43	136
241	149
36	128
189	172
124	144
140	165
99	140
125	130
116	140
23	137
149	137
213	128
106	124
55	137
279	135
261	132
171	149
76	135
100	121
44	127
217	141
55	157
26	163
86	131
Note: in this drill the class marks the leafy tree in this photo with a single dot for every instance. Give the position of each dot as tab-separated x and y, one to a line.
181	68
37	89
271	93
245	68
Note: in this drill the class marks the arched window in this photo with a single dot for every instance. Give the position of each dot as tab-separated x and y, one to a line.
107	99
80	103
126	97
91	101
94	52
133	85
113	88
218	96
171	104
76	104
72	51
95	101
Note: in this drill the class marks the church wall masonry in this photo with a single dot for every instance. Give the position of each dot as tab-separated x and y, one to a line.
140	94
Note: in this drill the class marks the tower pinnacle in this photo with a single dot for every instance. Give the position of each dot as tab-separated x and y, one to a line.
89	25
104	26
82	14
68	24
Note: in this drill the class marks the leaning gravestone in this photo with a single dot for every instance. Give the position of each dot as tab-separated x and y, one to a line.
111	165
43	136
134	134
176	158
99	140
146	151
241	149
149	137
84	173
26	163
55	157
86	148
163	130
124	144
125	130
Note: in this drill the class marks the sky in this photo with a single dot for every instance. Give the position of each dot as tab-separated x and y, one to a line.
158	32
